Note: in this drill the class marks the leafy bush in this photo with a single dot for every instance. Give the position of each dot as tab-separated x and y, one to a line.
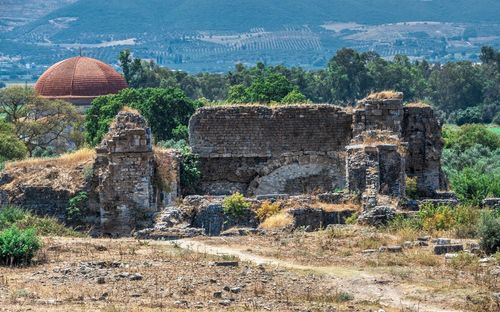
411	187
235	205
18	246
471	160
489	231
268	209
294	97
462	220
10	215
22	219
467	136
190	174
352	219
76	206
472	187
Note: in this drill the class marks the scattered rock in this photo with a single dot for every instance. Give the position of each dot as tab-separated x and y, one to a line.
450	256
235	290
369	251
491	203
226	263
101	280
225	303
408	244
100	248
424	238
104	296
135	277
420	244
441	241
217	294
391	249
184	303
450	248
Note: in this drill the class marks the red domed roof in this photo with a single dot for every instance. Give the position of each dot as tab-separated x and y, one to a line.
79	78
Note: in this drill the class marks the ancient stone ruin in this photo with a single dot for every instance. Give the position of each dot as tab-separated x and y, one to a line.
304	148
365	152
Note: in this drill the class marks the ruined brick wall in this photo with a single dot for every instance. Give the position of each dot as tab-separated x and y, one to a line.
261	131
261	150
378	114
422	131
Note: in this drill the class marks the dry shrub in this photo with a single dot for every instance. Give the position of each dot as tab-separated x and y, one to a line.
73	159
268	209
388	94
277	221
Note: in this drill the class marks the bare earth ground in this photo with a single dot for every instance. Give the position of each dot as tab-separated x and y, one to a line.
323	271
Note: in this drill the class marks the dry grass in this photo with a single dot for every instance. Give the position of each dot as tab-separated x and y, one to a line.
418	104
73	159
172	279
337	207
129	109
67	172
385	95
277	221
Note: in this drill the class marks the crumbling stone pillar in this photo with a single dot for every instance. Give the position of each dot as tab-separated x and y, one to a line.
379	113
374	170
422	131
125	170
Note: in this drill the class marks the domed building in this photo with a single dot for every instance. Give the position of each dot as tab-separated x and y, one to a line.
79	80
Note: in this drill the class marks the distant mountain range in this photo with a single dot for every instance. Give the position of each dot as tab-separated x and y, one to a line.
128	16
212	35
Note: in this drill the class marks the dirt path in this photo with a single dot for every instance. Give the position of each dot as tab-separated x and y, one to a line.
362	284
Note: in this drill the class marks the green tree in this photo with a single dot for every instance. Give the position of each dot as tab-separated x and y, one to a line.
456	86
348	76
13	100
11	148
49	123
272	87
164	109
294	97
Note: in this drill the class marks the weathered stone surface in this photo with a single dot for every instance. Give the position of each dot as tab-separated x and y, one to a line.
124	173
316	218
422	130
262	131
333	198
378	215
211	217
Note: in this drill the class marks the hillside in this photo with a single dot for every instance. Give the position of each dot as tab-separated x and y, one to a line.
129	16
15	13
213	35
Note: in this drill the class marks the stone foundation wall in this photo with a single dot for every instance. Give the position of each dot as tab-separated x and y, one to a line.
261	150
